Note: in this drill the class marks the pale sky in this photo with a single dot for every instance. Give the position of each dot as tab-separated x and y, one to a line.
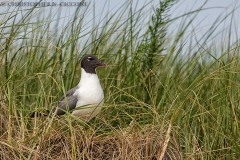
202	22
212	10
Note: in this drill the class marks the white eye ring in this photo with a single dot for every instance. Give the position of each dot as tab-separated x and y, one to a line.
89	58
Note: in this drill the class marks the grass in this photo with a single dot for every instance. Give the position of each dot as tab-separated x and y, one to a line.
166	95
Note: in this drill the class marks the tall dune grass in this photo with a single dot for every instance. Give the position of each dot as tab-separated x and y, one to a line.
166	95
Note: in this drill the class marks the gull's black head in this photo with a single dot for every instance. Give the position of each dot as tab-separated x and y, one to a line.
90	63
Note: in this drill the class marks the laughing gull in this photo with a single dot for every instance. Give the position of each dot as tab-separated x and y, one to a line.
85	99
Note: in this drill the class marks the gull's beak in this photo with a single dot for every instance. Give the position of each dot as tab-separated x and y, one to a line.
102	64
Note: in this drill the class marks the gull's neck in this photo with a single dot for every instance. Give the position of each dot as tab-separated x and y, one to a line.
88	78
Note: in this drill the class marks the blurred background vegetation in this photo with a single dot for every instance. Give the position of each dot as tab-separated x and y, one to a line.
155	80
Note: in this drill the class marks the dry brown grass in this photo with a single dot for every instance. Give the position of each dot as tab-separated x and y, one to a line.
63	141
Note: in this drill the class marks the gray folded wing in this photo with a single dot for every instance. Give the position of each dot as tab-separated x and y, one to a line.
66	103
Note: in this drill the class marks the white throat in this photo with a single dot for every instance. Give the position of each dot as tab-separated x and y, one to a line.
88	79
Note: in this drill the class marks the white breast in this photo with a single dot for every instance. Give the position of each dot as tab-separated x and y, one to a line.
90	96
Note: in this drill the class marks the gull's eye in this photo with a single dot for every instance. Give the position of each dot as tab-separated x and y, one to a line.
89	58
